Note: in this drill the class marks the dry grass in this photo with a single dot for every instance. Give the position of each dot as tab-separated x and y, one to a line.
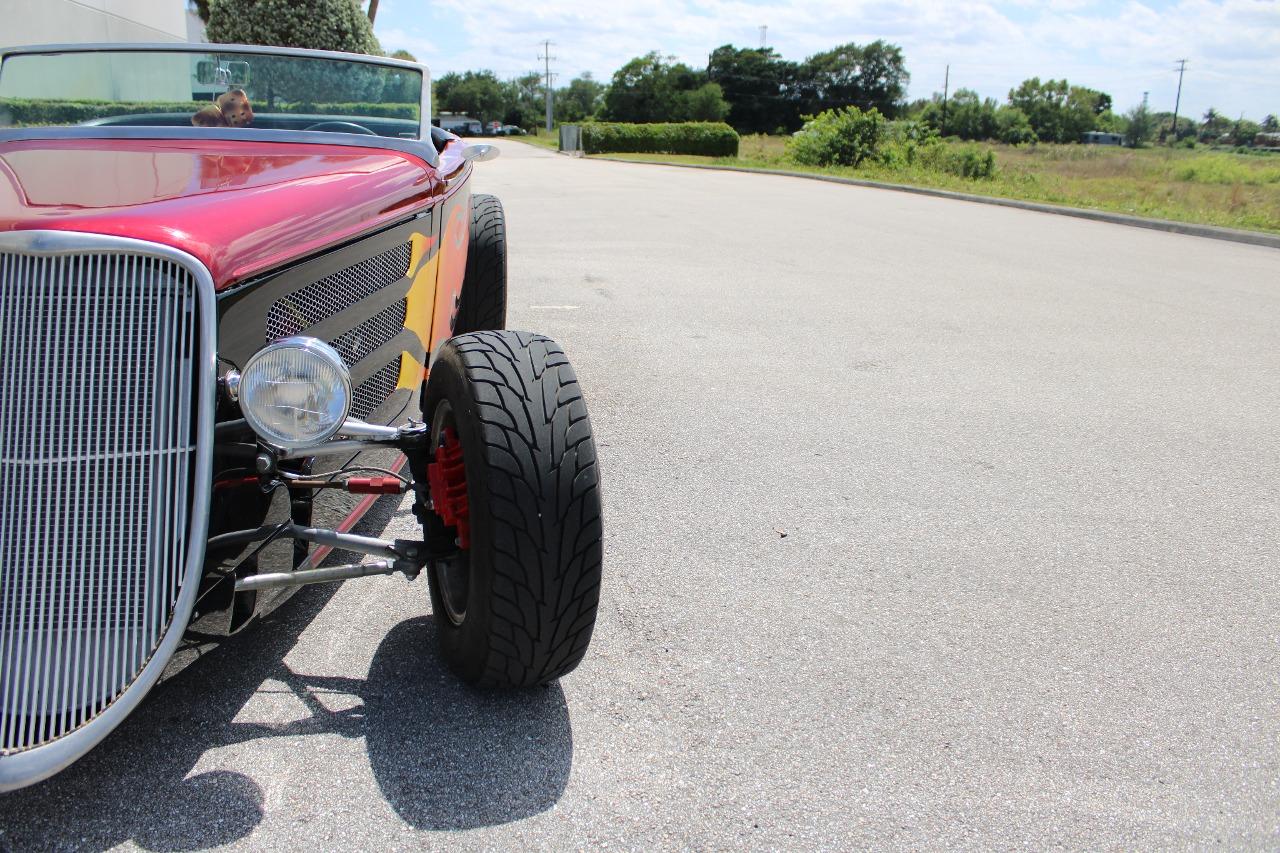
1213	188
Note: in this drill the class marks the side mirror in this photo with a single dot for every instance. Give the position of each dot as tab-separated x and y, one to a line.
480	153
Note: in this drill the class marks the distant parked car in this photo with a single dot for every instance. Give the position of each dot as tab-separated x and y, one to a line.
512	130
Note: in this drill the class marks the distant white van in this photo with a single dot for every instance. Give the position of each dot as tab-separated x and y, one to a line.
460	124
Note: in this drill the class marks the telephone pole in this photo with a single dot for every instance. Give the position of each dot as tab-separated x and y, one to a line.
1177	102
764	35
946	86
546	57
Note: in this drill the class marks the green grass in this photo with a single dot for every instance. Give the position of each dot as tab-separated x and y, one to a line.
1211	188
542	139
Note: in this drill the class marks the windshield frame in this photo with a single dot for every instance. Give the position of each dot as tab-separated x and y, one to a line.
421	147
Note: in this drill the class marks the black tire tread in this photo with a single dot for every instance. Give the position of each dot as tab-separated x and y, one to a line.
483	302
543	493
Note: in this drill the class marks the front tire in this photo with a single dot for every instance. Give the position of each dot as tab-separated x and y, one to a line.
516	604
482	305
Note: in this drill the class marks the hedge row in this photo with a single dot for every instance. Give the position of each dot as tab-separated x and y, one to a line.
710	139
24	111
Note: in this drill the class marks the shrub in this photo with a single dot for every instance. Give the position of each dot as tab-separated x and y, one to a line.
840	137
905	141
709	139
975	162
37	111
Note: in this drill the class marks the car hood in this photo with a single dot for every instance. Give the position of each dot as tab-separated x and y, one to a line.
240	207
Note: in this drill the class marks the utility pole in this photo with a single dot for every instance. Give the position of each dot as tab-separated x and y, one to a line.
1182	66
764	35
546	57
946	86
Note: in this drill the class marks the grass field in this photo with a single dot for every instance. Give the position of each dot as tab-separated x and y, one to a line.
542	139
1207	187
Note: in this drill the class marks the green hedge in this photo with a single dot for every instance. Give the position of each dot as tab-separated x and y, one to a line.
24	111
709	139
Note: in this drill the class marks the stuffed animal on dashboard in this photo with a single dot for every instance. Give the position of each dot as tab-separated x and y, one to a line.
231	110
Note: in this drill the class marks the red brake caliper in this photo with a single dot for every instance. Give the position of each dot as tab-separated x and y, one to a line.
447	477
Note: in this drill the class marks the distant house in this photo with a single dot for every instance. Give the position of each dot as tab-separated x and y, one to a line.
459	124
1267	140
1097	137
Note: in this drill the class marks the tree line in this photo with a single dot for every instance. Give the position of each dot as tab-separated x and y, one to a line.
755	90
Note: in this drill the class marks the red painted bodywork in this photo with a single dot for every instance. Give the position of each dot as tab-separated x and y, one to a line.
239	207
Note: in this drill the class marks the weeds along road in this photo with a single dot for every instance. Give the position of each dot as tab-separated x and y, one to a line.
928	524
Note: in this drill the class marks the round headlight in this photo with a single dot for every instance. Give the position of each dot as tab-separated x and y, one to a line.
295	392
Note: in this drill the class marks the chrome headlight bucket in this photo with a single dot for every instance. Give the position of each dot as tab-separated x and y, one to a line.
295	392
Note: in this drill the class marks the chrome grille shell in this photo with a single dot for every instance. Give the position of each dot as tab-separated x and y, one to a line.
105	467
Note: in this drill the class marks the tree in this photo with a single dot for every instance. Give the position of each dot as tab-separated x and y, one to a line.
755	83
478	94
1215	126
874	76
651	88
968	116
1013	127
526	102
1043	105
705	103
1243	131
319	24
580	99
1058	111
1140	126
1270	124
403	54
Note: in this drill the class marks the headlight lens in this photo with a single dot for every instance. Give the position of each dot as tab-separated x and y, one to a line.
295	392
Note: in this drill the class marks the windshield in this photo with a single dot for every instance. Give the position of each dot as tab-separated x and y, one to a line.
213	89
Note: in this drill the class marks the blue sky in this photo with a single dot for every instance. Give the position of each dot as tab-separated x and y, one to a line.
1125	48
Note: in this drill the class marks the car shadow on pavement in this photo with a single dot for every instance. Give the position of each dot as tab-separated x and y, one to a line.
444	755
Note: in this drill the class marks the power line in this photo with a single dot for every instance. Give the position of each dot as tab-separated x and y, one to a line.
546	57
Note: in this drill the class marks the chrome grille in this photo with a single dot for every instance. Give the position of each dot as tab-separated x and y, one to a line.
97	454
370	393
334	293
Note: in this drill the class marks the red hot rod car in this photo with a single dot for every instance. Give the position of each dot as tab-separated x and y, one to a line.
243	292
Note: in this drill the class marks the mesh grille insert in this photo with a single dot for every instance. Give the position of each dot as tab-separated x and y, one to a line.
370	393
334	293
371	334
302	309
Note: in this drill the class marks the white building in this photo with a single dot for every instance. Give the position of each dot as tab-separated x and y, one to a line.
79	21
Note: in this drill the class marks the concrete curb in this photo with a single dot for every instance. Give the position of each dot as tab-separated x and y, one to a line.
1213	232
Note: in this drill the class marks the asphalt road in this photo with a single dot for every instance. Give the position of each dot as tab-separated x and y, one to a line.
929	524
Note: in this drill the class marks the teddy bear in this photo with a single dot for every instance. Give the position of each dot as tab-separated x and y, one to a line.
231	110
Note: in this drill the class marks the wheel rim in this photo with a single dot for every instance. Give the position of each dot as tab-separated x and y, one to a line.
446	475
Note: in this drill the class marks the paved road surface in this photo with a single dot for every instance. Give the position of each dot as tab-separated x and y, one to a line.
928	524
